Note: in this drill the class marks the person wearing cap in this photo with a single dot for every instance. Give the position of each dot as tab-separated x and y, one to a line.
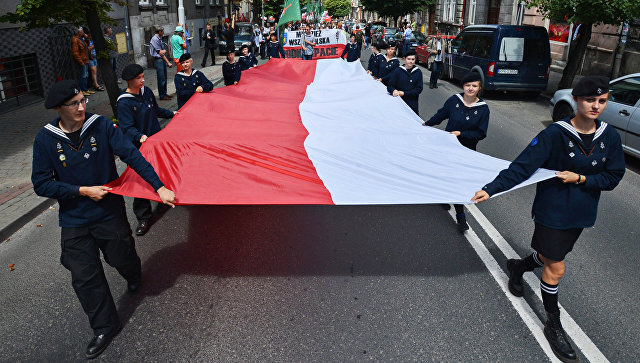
247	60
374	60
178	46
274	48
588	154
468	117
351	50
406	82
73	159
388	64
138	114
190	81
231	69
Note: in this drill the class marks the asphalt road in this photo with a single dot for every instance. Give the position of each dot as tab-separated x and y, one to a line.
325	283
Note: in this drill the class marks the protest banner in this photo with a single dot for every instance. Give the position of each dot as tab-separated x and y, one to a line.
329	43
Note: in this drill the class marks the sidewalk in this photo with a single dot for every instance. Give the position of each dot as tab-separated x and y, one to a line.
18	202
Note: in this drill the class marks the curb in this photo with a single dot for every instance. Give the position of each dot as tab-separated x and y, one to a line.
30	212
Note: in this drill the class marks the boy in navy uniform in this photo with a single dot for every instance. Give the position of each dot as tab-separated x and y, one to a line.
351	50
374	60
231	70
190	81
406	82
138	114
388	63
247	60
274	48
73	158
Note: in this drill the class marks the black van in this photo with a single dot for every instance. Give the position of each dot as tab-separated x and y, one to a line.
508	57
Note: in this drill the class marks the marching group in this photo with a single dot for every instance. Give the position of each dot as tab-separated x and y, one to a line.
73	160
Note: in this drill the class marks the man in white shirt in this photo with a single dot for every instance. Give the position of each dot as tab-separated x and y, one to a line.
436	66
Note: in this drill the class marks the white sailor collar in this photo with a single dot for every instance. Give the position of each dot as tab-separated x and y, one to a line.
568	126
193	71
54	129
479	103
410	71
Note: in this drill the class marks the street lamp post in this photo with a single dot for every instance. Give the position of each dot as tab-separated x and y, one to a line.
181	12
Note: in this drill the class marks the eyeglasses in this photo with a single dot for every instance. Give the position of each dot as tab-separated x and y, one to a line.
75	104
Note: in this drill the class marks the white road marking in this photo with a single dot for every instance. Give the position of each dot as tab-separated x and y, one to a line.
524	310
579	337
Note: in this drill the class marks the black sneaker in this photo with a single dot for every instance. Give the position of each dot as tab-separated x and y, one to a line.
462	225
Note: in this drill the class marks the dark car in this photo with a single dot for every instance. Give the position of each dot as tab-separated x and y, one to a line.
417	39
243	35
507	57
385	34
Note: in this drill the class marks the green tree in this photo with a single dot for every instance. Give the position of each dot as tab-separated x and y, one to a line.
587	13
273	8
47	13
395	9
337	8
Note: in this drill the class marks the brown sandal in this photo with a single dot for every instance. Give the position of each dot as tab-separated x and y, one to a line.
99	88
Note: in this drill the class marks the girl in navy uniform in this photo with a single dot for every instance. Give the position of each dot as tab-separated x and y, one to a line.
189	81
589	154
138	114
388	64
374	60
231	70
247	60
468	118
351	50
406	82
274	48
73	158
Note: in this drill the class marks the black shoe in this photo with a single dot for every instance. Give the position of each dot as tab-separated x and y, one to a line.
203	65
462	225
431	86
99	343
143	227
435	86
134	285
557	339
515	269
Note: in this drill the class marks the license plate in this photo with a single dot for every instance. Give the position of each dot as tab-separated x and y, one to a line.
507	71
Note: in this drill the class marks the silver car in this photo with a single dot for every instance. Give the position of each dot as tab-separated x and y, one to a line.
622	112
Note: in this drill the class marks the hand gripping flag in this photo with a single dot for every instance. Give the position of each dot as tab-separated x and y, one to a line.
309	142
290	12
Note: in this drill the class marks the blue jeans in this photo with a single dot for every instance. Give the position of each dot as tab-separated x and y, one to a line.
366	42
405	47
161	72
84	77
436	69
307	56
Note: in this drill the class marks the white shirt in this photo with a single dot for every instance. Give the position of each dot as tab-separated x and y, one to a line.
439	47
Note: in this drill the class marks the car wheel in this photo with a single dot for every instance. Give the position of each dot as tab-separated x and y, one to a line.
561	111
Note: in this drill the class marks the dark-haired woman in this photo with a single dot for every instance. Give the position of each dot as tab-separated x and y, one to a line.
468	117
589	154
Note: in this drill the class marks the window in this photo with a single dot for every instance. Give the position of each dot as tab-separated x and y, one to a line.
198	2
472	12
626	91
445	12
452	11
482	49
143	2
161	2
211	2
511	49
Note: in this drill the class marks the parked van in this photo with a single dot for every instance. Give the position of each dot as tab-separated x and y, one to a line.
507	57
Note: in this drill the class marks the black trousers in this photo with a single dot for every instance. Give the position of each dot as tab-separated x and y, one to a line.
206	55
263	48
142	209
81	256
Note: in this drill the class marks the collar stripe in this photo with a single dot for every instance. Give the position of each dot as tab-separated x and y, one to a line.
124	95
56	130
479	103
88	123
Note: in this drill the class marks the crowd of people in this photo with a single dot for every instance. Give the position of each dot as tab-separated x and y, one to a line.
73	160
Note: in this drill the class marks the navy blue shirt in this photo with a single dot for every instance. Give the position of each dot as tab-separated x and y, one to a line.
275	50
409	82
60	167
386	68
559	147
186	85
352	50
138	114
230	72
472	121
374	64
247	62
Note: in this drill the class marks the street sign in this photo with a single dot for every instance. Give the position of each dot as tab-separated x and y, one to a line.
121	40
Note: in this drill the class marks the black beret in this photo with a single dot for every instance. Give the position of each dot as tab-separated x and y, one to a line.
591	86
131	71
471	77
243	47
392	43
60	93
184	57
410	52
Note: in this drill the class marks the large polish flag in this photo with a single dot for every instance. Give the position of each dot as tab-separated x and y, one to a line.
309	132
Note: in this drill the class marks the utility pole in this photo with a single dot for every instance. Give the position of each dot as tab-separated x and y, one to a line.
181	12
622	42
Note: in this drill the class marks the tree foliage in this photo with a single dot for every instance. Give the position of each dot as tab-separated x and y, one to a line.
395	8
273	8
588	11
47	13
338	8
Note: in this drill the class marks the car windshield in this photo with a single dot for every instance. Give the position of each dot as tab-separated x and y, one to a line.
419	37
244	31
391	31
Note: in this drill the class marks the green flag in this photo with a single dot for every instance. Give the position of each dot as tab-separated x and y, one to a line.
290	12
